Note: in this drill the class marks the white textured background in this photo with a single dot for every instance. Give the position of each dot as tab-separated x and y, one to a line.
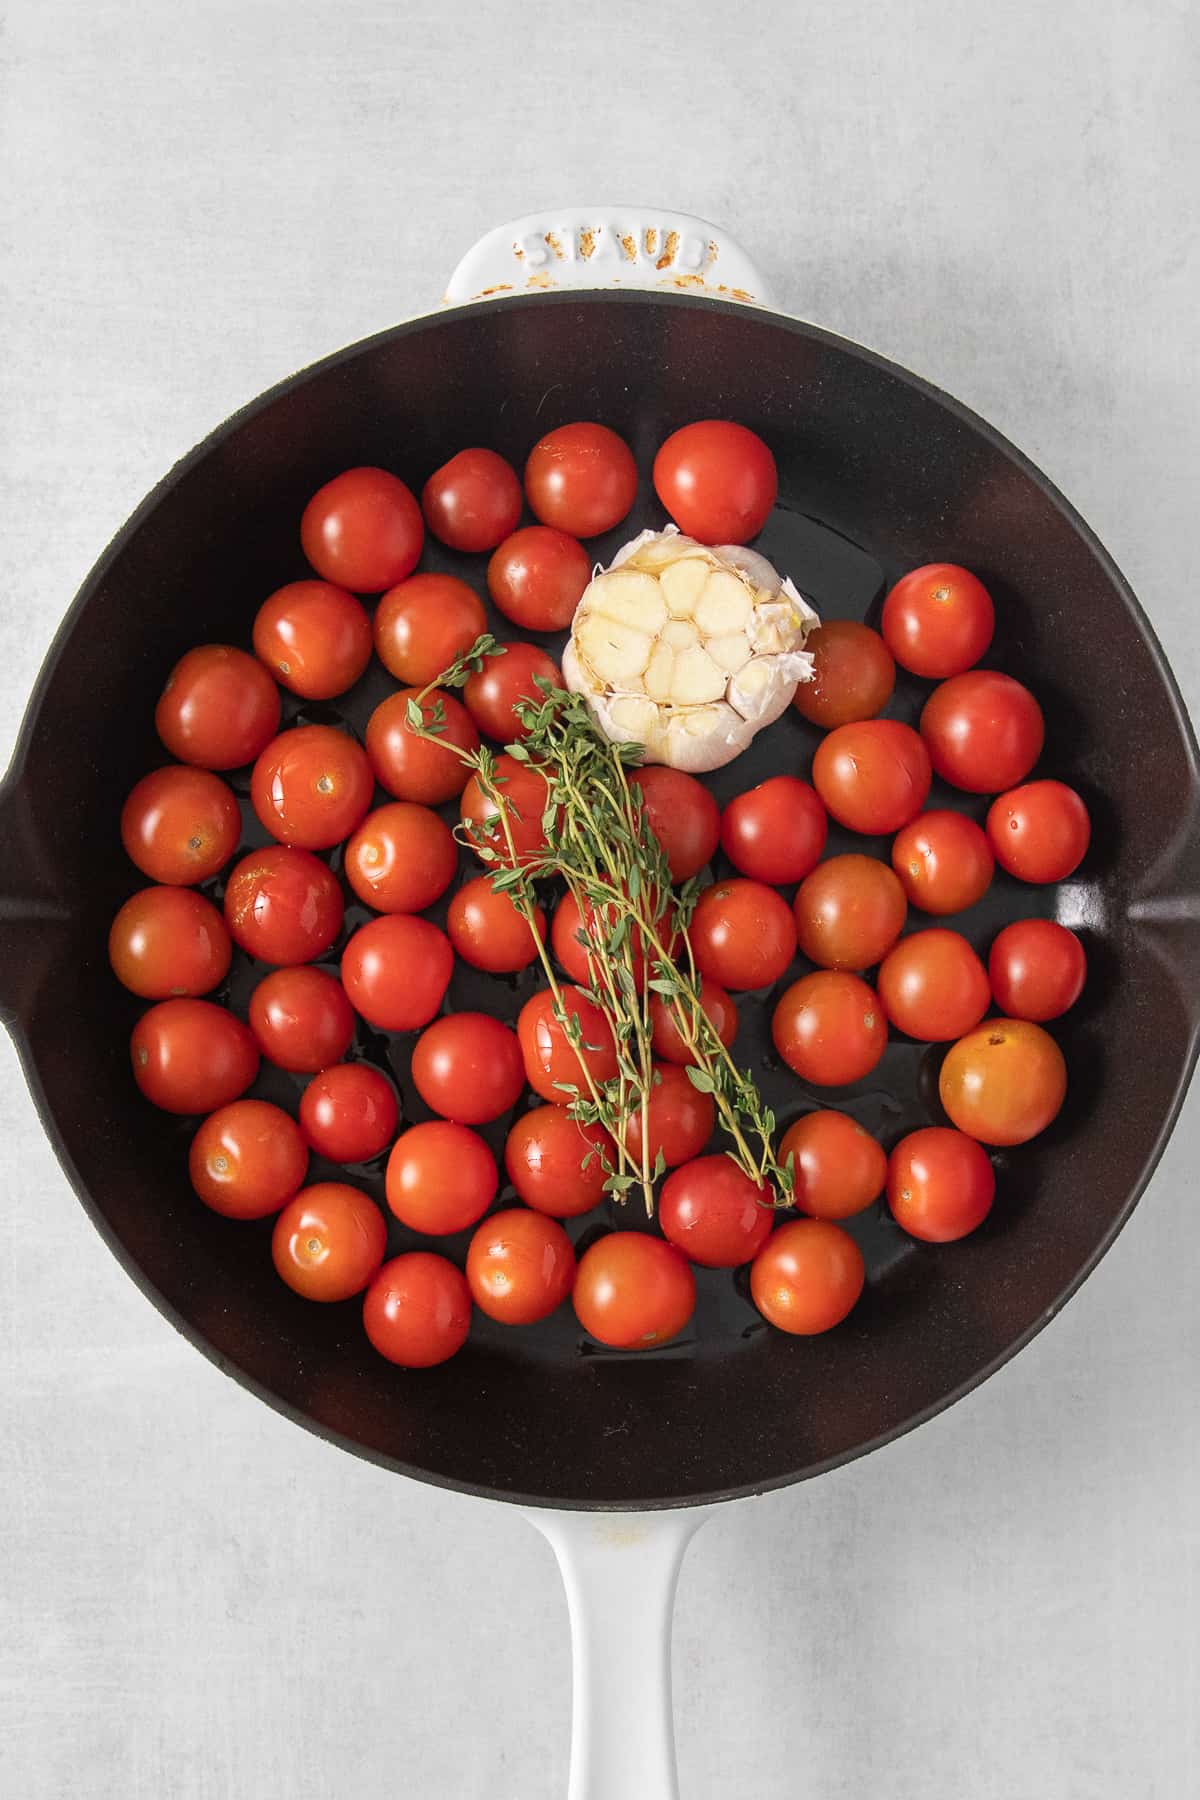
199	1600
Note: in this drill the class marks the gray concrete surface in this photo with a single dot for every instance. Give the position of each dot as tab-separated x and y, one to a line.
199	1601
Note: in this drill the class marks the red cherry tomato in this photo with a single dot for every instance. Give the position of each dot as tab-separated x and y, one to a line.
180	826
301	1019
329	1241
853	675
830	1028
363	530
581	478
577	958
983	731
311	786
472	502
633	1291
1004	1082
468	1067
680	1121
247	1160
839	1168
283	906
1037	969
714	1213
424	625
218	709
190	1056
1040	832
520	1266
412	767
168	940
348	1113
418	1310
554	1064
315	638
873	777
716	1005
807	1276
556	1164
402	858
775	832
944	862
537	576
493	694
743	934
933	986
849	912
488	932
396	971
938	620
717	480
683	816
517	832
940	1184
441	1177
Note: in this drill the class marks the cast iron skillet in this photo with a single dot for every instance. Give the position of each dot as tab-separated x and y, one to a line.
879	472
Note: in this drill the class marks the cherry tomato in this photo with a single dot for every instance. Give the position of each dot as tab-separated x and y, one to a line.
944	862
807	1276
283	906
577	958
853	675
525	797
633	1291
556	1164
940	1184
849	912
440	1177
839	1168
348	1113
488	932
218	709
424	625
775	832
983	731
396	971
873	777
933	986
712	1211
493	694
520	1266
301	1019
315	638
418	1310
938	620
412	767
402	858
830	1028
683	816
537	577
717	480
718	1008
329	1241
167	940
471	502
680	1119
1004	1082
311	786
247	1160
551	1058
468	1067
1037	969
363	530
743	934
190	1056
581	478
1040	832
180	826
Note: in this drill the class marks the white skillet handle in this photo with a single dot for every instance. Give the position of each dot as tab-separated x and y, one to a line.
604	246
620	1572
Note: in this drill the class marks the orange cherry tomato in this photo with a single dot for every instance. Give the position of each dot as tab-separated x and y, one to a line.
329	1241
807	1276
634	1291
830	1028
944	862
1004	1082
247	1159
412	767
839	1168
218	709
180	825
933	986
520	1266
315	638
556	1164
363	530
441	1177
853	675
849	912
190	1056
424	625
940	1184
417	1312
402	858
168	940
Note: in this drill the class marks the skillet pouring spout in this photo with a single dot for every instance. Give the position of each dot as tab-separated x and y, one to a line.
34	920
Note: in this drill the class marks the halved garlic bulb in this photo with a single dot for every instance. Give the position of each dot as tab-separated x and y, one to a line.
686	649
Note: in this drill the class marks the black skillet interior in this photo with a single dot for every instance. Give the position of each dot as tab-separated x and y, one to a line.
877	473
